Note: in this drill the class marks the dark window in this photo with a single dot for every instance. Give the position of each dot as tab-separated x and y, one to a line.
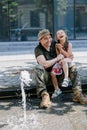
21	20
34	16
64	16
81	19
71	15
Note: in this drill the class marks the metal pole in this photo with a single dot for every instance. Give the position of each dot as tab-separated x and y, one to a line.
8	21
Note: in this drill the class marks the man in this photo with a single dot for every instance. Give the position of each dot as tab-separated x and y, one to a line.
46	57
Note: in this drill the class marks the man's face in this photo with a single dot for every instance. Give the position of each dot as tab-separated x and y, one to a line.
46	40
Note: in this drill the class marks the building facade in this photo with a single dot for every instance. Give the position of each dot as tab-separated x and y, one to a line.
21	20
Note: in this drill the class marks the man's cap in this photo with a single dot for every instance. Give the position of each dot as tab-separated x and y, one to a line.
43	32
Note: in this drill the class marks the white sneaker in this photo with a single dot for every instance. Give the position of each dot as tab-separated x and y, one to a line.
56	93
65	83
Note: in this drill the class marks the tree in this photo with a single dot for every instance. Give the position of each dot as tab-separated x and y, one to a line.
62	6
8	7
7	16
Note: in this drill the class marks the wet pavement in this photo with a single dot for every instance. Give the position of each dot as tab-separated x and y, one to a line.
63	114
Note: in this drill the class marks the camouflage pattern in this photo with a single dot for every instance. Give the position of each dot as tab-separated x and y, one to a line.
75	79
43	79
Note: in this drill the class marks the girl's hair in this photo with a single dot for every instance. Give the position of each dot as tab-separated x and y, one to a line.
66	44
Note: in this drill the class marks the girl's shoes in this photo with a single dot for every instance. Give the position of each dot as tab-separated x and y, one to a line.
65	83
56	93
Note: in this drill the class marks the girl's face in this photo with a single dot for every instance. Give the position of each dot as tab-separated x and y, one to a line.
61	35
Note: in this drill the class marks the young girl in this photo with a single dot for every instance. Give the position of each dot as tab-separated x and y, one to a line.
62	48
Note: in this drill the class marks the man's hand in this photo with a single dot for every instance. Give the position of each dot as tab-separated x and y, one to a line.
60	57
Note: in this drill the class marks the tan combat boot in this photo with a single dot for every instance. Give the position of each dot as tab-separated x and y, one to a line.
45	100
79	97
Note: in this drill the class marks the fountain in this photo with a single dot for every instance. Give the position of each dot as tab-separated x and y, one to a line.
25	80
21	122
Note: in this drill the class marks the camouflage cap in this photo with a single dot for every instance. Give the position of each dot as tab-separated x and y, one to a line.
42	33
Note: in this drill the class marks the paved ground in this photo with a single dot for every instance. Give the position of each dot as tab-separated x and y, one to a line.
63	113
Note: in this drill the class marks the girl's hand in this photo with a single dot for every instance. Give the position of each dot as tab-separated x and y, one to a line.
59	46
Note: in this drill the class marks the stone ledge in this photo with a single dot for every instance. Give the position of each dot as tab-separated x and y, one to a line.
10	81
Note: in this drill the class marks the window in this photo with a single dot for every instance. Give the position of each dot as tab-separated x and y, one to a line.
35	20
71	15
64	16
21	20
81	19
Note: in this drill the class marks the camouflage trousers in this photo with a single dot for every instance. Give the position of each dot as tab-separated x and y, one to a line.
43	79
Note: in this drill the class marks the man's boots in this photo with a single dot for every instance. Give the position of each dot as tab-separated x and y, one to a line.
45	100
79	97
